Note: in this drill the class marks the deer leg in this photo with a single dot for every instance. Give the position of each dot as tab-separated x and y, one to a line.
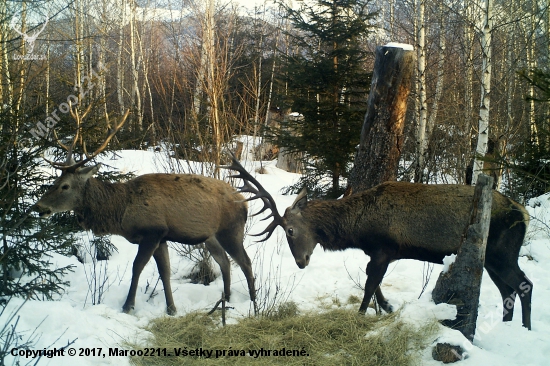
375	272
163	264
218	253
522	286
145	251
234	247
382	301
507	293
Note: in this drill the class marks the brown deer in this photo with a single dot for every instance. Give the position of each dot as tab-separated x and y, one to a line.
400	220
151	210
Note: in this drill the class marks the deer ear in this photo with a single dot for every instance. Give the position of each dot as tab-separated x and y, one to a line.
300	202
88	171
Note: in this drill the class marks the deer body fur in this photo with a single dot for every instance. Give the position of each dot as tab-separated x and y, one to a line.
399	220
153	209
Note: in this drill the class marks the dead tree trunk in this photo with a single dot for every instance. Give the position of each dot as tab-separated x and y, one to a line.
460	285
382	134
290	161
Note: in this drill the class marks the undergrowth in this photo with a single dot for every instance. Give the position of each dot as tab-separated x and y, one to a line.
333	337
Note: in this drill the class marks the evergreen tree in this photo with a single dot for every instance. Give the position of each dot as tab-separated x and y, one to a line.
531	171
327	83
26	243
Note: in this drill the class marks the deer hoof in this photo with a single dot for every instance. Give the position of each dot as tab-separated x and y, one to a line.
171	310
126	309
386	306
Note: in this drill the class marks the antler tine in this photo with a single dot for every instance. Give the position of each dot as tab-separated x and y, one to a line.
70	164
63	146
247	187
104	144
251	185
43	25
268	230
12	25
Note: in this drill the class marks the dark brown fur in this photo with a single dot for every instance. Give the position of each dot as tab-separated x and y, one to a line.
153	209
398	220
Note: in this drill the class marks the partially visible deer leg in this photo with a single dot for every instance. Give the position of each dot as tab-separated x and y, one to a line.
375	273
233	245
382	301
218	253
163	264
145	251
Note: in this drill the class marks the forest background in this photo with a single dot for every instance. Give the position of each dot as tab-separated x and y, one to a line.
193	74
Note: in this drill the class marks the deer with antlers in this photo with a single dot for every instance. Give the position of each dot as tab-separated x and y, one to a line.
400	220
152	209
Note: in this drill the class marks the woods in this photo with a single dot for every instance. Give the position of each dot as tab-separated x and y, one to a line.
193	74
288	80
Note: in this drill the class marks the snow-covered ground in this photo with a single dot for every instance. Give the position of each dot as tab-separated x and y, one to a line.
330	275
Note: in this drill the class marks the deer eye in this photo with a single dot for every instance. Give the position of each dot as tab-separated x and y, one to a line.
290	231
65	187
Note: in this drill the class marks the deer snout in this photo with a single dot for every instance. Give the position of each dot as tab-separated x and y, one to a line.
302	263
43	212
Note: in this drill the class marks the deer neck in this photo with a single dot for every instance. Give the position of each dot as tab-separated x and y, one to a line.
102	207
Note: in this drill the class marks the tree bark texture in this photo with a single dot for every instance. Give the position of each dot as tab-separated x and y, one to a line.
486	71
381	141
460	285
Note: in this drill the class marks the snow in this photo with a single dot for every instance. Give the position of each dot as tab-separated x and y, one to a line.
447	261
404	46
73	317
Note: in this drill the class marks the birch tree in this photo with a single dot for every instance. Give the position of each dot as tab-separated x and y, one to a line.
120	53
483	126
421	138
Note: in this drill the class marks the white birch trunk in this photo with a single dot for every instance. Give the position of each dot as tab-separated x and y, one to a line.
134	59
483	128
440	74
392	20
530	41
119	63
421	140
469	72
214	91
259	83
101	63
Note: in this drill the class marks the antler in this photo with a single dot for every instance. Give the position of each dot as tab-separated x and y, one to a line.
70	165
42	28
12	26
251	185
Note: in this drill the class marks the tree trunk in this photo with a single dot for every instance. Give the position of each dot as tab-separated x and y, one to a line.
421	138
290	162
381	141
460	285
483	129
120	67
135	97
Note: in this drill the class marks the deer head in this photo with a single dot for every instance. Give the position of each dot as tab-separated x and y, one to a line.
66	192
300	236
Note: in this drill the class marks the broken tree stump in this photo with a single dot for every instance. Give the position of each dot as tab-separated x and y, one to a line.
381	139
460	285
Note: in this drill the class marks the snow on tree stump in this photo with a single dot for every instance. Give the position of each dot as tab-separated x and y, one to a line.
460	285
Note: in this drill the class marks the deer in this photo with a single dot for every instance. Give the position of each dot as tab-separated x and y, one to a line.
401	220
151	210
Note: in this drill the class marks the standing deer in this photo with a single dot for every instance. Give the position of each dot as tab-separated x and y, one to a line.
400	220
151	210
